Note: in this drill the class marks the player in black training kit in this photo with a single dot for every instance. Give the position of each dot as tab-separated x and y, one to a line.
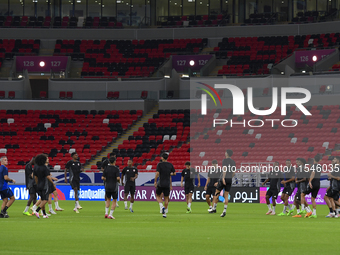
300	180
75	168
42	178
314	184
274	187
289	186
164	184
104	164
131	173
188	175
332	194
30	186
111	177
224	183
210	185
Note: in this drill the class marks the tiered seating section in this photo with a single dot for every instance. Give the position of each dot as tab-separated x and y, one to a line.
311	136
120	58
26	133
314	16
261	18
167	131
11	47
59	22
251	55
196	21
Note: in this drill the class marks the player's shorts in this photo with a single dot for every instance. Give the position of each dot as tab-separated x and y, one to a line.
112	195
128	188
43	194
211	191
303	187
165	191
287	190
333	194
298	196
272	193
7	193
189	189
33	190
51	188
314	191
221	186
75	185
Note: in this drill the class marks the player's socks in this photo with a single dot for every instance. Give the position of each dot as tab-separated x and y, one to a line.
44	212
189	205
50	207
330	210
210	207
131	204
160	205
302	207
293	207
111	212
289	207
308	209
214	206
269	207
284	209
314	211
225	208
297	211
5	209
106	210
26	209
125	203
34	208
56	204
38	209
274	208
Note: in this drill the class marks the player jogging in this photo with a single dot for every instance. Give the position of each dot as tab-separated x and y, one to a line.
164	184
333	192
314	184
274	187
30	186
5	191
289	186
188	175
75	168
131	173
210	185
111	178
42	177
300	180
224	183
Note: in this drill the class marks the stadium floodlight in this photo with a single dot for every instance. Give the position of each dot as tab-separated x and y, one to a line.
303	71
282	72
19	76
167	76
185	75
315	58
42	64
192	63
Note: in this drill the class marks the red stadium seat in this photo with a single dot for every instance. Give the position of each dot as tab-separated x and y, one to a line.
11	94
62	94
43	94
69	95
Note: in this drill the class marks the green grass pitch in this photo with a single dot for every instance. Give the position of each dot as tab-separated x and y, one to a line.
245	230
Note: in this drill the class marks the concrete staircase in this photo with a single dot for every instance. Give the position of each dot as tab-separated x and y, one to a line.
125	136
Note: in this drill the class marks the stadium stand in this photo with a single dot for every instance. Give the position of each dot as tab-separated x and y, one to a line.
251	55
26	132
125	58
